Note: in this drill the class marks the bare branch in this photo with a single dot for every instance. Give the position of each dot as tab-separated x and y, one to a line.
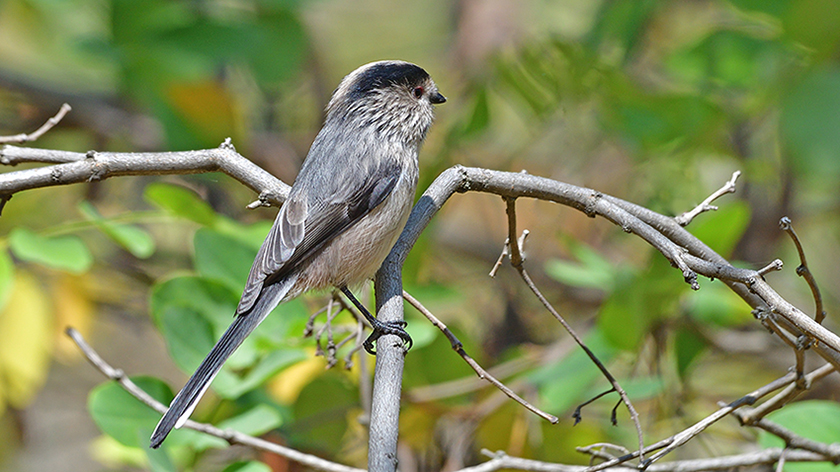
482	374
752	290
771	267
48	125
74	167
232	437
671	443
706	205
767	457
756	285
784	397
792	440
387	376
803	270
517	261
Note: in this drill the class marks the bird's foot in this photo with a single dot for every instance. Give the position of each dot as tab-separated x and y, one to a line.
381	328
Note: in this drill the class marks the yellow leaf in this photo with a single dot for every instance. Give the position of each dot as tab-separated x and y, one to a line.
25	340
2	398
286	386
73	307
111	453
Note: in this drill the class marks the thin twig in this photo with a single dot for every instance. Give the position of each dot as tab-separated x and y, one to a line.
686	435
793	440
501	461
780	466
597	451
578	416
482	374
756	285
706	205
784	397
669	444
48	125
517	261
505	252
803	270
232	437
774	266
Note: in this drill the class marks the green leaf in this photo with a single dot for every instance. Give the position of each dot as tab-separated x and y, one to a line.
252	466
326	422
687	346
652	120
7	277
135	240
212	299
191	314
814	419
423	368
479	120
251	235
188	335
118	414
421	331
729	58
592	271
722	229
222	257
813	23
716	305
770	7
279	45
180	202
255	422
810	122
66	253
621	24
159	460
639	388
234	386
563	383
639	301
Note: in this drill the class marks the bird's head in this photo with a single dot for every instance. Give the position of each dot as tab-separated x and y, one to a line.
394	98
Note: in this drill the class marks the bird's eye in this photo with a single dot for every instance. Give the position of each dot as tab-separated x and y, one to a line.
418	92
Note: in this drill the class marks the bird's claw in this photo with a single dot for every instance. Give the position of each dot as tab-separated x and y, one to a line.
381	328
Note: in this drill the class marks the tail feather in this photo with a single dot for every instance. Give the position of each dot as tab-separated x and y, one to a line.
185	402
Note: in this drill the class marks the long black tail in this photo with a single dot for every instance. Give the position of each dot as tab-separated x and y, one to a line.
185	402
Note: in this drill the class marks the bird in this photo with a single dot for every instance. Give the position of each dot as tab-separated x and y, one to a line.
344	212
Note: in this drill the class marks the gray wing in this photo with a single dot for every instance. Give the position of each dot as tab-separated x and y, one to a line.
308	220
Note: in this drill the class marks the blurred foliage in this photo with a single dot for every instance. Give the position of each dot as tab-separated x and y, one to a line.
657	102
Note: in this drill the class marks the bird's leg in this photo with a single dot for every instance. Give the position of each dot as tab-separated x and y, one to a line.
380	328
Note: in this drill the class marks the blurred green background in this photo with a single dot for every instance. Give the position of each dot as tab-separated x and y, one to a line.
656	102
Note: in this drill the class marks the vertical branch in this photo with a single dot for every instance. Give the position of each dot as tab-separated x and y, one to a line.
803	270
387	377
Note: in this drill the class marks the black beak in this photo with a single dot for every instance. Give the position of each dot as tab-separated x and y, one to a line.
437	98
